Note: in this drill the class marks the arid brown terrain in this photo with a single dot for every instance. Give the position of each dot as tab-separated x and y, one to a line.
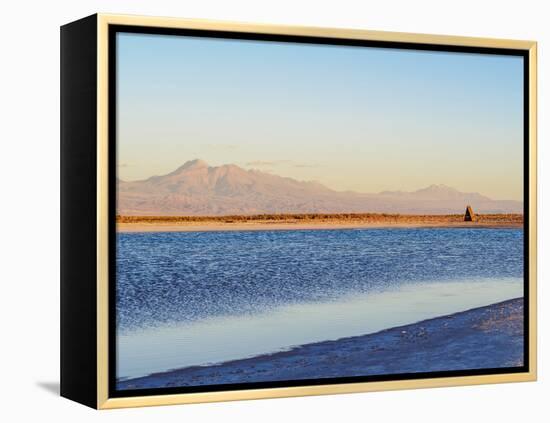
310	221
324	217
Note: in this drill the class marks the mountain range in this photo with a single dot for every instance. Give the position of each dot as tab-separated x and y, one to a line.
199	189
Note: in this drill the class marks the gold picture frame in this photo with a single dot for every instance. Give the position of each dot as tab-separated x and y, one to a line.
98	27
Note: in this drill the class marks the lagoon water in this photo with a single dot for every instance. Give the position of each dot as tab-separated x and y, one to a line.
198	298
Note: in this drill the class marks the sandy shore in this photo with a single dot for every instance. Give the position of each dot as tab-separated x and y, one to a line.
285	226
262	222
485	337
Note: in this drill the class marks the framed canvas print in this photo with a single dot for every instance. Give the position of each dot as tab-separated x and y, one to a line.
253	211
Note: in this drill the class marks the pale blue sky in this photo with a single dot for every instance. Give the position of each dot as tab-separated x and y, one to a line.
352	118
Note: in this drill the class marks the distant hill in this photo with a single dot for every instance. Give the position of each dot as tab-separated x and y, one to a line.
199	189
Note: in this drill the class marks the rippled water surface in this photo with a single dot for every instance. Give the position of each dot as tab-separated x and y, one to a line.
186	298
178	276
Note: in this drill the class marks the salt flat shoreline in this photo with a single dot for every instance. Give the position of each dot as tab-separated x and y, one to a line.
481	338
286	226
298	221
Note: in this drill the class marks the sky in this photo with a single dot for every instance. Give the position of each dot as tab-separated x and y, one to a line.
352	118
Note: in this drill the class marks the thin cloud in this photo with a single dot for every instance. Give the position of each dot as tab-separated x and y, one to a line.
305	165
222	146
274	163
263	163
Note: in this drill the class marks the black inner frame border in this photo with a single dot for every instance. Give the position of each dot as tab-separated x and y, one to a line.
113	30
